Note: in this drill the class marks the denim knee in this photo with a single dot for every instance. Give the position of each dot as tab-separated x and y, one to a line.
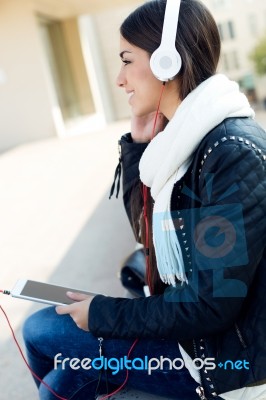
32	327
28	328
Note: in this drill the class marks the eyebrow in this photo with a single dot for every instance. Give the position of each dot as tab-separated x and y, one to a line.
121	55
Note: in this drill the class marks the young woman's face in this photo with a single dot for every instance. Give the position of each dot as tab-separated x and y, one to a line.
136	78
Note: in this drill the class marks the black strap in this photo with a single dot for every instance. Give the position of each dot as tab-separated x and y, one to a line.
117	176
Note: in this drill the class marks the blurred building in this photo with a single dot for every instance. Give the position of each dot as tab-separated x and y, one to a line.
241	24
58	64
59	61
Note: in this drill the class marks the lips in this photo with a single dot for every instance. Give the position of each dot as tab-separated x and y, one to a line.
130	94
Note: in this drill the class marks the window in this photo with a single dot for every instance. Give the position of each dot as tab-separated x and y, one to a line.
225	63
252	22
67	68
230	61
231	30
221	3
220	29
226	30
235	60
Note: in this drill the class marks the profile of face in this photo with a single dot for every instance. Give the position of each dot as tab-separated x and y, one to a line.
137	79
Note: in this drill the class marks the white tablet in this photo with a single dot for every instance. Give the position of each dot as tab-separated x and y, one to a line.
44	292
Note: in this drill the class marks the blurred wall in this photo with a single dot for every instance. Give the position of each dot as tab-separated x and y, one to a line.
20	58
32	82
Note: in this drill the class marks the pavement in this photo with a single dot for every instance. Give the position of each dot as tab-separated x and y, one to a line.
58	226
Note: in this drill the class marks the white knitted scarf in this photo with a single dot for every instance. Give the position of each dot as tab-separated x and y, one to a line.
168	156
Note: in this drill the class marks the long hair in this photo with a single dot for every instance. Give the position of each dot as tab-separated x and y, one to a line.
198	43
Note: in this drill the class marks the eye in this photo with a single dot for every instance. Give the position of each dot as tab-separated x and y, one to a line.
126	62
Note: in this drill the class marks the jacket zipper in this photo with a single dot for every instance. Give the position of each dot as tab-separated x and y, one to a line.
199	390
240	337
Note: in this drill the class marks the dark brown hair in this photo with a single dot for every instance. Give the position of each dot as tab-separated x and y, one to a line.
198	43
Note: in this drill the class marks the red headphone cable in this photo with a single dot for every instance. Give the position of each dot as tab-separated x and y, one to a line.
38	378
145	199
22	355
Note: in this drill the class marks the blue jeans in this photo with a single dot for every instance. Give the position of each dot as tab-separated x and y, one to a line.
46	334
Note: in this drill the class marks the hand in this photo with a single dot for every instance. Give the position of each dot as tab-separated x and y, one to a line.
142	127
78	311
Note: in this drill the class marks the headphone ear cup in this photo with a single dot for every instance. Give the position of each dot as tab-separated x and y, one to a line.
165	64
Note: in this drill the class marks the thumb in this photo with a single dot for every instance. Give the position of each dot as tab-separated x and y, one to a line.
77	296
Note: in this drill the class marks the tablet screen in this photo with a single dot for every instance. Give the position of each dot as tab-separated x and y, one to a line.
45	291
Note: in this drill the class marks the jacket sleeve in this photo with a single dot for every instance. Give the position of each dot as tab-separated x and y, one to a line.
131	153
232	185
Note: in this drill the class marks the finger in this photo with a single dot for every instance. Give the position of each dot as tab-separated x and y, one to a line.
61	310
77	296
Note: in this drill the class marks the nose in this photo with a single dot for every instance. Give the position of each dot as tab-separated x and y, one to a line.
120	80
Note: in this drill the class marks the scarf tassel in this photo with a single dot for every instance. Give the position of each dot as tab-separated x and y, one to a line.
169	257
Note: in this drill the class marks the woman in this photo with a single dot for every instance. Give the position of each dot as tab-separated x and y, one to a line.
206	205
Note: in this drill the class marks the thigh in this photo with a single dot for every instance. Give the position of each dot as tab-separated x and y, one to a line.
167	378
70	385
58	338
49	334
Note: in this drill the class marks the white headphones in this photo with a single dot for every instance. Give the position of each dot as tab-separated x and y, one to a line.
166	62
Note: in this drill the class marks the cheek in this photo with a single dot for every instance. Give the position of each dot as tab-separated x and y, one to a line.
150	78
145	76
150	85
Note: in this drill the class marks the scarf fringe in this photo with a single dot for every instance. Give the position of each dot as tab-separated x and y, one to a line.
168	251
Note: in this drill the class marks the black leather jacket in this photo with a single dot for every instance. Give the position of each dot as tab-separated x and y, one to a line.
222	309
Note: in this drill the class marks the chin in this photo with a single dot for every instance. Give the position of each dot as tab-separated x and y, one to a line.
140	113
